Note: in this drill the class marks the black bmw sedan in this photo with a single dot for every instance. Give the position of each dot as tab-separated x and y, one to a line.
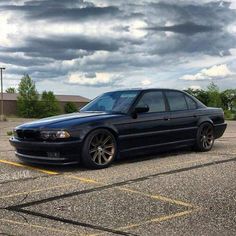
120	123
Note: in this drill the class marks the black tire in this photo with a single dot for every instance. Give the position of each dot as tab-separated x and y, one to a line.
99	149
205	137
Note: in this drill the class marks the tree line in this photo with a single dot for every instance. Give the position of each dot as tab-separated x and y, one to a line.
32	105
213	97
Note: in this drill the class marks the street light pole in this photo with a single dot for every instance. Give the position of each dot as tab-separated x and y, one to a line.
2	115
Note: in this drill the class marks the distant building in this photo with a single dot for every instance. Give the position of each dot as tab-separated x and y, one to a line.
10	101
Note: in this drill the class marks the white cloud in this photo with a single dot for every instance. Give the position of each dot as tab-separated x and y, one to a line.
214	72
146	82
101	79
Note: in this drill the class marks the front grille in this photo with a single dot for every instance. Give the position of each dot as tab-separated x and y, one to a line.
28	134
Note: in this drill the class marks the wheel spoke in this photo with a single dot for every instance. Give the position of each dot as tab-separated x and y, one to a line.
101	138
95	156
109	146
104	157
93	150
106	140
99	159
109	153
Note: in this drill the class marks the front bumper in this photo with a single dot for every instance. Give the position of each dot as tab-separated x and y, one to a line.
219	130
55	153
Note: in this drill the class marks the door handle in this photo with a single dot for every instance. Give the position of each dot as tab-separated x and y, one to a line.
194	115
166	118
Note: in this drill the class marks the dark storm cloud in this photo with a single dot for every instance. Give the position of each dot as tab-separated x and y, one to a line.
75	14
74	42
208	43
186	28
62	10
22	61
215	13
63	47
172	30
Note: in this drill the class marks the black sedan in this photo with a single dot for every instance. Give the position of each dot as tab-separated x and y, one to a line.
120	123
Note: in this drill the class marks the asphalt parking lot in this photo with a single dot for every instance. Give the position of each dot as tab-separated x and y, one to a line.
176	193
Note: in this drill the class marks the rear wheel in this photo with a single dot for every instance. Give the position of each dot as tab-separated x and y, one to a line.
205	137
99	149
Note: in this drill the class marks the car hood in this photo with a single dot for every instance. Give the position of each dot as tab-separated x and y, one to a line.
65	121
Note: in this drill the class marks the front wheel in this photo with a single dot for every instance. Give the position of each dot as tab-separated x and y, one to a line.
99	149
205	137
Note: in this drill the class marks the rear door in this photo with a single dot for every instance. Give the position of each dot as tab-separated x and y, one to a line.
183	116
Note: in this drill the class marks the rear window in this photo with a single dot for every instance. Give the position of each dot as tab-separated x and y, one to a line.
191	103
176	101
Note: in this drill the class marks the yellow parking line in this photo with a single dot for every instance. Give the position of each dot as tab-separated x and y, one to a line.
158	197
91	181
159	219
29	167
36	191
86	180
155	220
37	226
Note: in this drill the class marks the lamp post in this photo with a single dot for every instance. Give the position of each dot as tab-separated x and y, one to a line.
2	115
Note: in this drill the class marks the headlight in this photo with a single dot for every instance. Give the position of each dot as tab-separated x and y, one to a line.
54	135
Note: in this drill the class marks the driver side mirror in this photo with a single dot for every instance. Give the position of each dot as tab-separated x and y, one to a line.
139	110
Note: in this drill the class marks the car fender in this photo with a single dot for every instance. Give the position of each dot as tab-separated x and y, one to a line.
204	119
91	128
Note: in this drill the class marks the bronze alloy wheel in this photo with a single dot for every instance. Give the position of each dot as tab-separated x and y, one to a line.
99	149
207	137
102	148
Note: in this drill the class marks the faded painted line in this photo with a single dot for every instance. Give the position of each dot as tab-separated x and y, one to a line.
29	167
12	222
85	180
35	191
155	220
157	197
90	181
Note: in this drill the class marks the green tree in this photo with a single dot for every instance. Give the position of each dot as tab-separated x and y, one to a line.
27	100
49	105
10	90
228	98
214	95
70	107
200	94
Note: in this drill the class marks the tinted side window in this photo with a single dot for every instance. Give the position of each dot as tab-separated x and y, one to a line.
154	100
176	101
191	103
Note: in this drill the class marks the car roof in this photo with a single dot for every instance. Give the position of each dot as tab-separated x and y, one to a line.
146	89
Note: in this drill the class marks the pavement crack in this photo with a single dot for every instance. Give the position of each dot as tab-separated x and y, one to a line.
72	222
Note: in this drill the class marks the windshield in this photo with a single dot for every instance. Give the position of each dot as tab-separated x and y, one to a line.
117	102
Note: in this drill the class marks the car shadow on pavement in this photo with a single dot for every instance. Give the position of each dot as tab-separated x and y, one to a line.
123	160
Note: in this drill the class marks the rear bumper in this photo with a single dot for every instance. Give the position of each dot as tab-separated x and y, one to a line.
219	130
56	153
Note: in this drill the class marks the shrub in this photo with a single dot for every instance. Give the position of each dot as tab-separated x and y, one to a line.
70	107
49	105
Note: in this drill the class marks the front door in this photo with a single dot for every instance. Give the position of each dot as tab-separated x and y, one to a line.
148	129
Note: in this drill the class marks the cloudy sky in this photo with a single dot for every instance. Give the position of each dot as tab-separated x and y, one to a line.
89	47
